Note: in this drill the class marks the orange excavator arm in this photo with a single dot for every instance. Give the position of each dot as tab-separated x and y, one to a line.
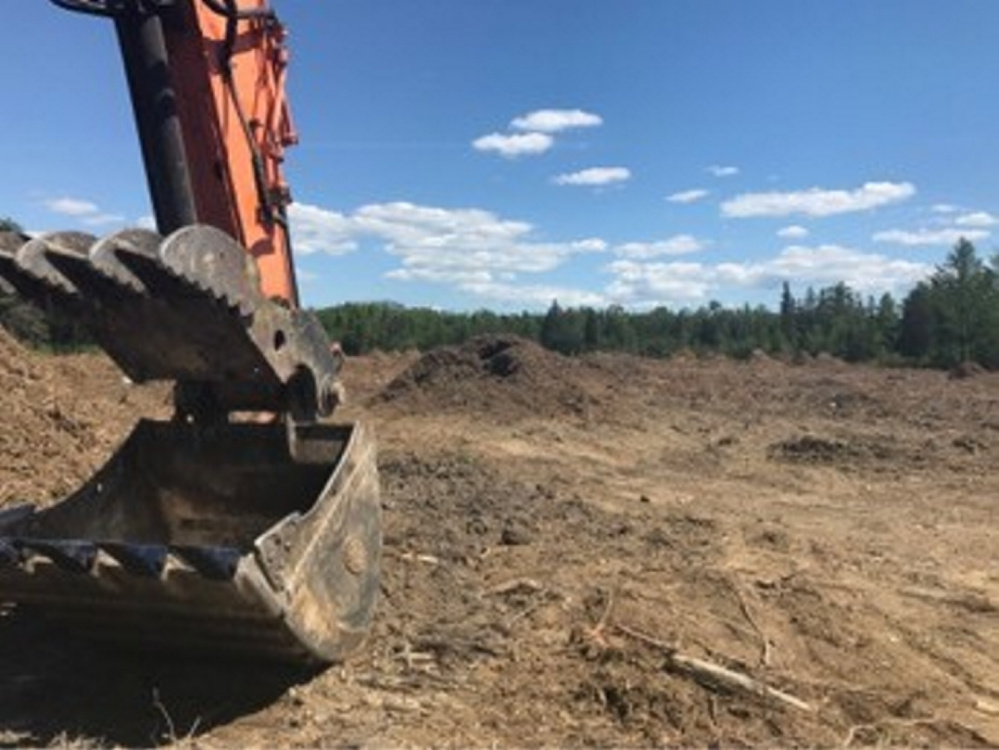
210	300
206	79
224	66
209	532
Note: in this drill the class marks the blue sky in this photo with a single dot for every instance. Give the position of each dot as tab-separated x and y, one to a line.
469	154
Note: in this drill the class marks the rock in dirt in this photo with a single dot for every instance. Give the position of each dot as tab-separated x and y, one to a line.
512	536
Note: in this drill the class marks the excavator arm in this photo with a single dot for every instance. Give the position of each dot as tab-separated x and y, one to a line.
211	532
215	127
206	79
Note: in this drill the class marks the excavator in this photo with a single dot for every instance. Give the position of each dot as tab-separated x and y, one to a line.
248	524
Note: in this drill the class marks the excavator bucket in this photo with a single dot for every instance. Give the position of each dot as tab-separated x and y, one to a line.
216	544
204	534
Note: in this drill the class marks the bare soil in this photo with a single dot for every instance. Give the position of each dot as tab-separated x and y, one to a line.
562	538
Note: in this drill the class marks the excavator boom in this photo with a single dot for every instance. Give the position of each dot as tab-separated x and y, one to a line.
209	533
214	131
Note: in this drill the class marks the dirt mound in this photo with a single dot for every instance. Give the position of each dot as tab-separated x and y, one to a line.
504	377
64	416
965	370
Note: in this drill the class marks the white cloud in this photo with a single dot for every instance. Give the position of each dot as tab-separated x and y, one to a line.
594	176
680	244
659	283
86	212
830	264
146	222
512	146
977	219
817	201
316	230
917	237
556	120
686	283
98	219
793	232
463	245
72	207
591	245
722	171
688	196
441	239
945	208
479	253
467	248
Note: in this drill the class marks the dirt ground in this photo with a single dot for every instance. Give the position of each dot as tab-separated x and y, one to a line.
574	549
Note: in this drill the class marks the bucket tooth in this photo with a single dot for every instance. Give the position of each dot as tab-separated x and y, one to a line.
138	332
104	255
34	258
14	279
195	262
76	269
10	243
212	261
198	290
140	257
73	555
143	259
187	308
56	271
100	288
155	324
144	560
27	282
214	563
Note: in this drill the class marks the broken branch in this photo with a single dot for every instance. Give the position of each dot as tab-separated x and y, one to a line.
712	675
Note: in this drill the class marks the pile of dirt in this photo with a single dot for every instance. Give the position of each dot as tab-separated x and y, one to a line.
503	376
64	416
964	370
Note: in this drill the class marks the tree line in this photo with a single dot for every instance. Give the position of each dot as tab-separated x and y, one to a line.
948	318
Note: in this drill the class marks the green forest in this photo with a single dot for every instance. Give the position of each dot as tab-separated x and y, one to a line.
949	318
